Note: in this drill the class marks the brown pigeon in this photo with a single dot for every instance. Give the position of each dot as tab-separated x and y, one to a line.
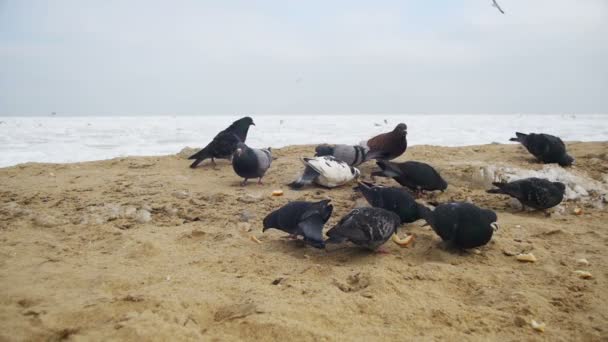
387	146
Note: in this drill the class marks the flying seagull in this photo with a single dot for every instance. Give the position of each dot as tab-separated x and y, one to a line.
495	4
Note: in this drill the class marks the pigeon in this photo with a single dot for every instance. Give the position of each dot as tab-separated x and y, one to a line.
224	143
351	155
300	218
495	4
250	162
537	193
326	171
387	146
414	175
545	147
393	199
462	224
365	227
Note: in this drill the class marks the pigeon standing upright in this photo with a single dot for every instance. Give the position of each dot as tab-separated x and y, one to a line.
545	147
224	143
326	171
250	162
365	227
387	146
351	155
462	224
300	218
414	175
396	200
537	193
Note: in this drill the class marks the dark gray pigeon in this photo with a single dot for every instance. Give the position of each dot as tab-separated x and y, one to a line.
365	227
250	162
537	193
545	147
396	200
300	218
351	155
387	146
224	143
414	175
462	224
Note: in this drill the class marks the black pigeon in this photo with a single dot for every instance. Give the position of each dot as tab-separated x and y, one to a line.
351	155
224	143
393	199
545	147
414	175
301	218
537	193
250	162
387	146
462	224
365	227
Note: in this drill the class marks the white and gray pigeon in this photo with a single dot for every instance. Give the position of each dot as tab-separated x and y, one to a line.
353	155
326	171
250	162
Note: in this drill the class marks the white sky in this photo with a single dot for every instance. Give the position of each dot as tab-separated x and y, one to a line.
303	57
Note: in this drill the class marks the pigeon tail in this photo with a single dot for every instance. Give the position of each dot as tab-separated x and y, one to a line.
389	169
199	157
497	191
297	184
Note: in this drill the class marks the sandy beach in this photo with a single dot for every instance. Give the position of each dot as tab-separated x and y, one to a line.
144	248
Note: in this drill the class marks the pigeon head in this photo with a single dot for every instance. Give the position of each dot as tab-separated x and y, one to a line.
325	209
490	216
324	150
565	160
270	221
561	186
246	121
370	192
401	128
355	172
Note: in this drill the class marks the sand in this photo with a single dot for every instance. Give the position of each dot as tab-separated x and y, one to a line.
144	248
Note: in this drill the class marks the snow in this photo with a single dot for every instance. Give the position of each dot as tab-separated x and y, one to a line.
72	139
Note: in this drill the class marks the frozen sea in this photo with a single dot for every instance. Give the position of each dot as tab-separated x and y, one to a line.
71	139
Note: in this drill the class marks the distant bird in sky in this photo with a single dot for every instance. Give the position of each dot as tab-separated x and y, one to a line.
495	4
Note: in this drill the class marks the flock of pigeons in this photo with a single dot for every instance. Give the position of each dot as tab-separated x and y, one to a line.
461	224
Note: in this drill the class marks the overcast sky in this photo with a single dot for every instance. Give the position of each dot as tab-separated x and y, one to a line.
303	57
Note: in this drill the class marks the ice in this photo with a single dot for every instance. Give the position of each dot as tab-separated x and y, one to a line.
71	139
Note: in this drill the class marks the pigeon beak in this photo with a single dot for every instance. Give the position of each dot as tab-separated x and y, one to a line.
253	123
494	226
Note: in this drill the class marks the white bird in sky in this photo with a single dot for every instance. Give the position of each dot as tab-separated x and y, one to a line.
495	4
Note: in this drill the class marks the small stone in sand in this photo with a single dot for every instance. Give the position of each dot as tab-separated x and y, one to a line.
249	198
45	220
129	211
143	216
180	194
245	216
582	261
